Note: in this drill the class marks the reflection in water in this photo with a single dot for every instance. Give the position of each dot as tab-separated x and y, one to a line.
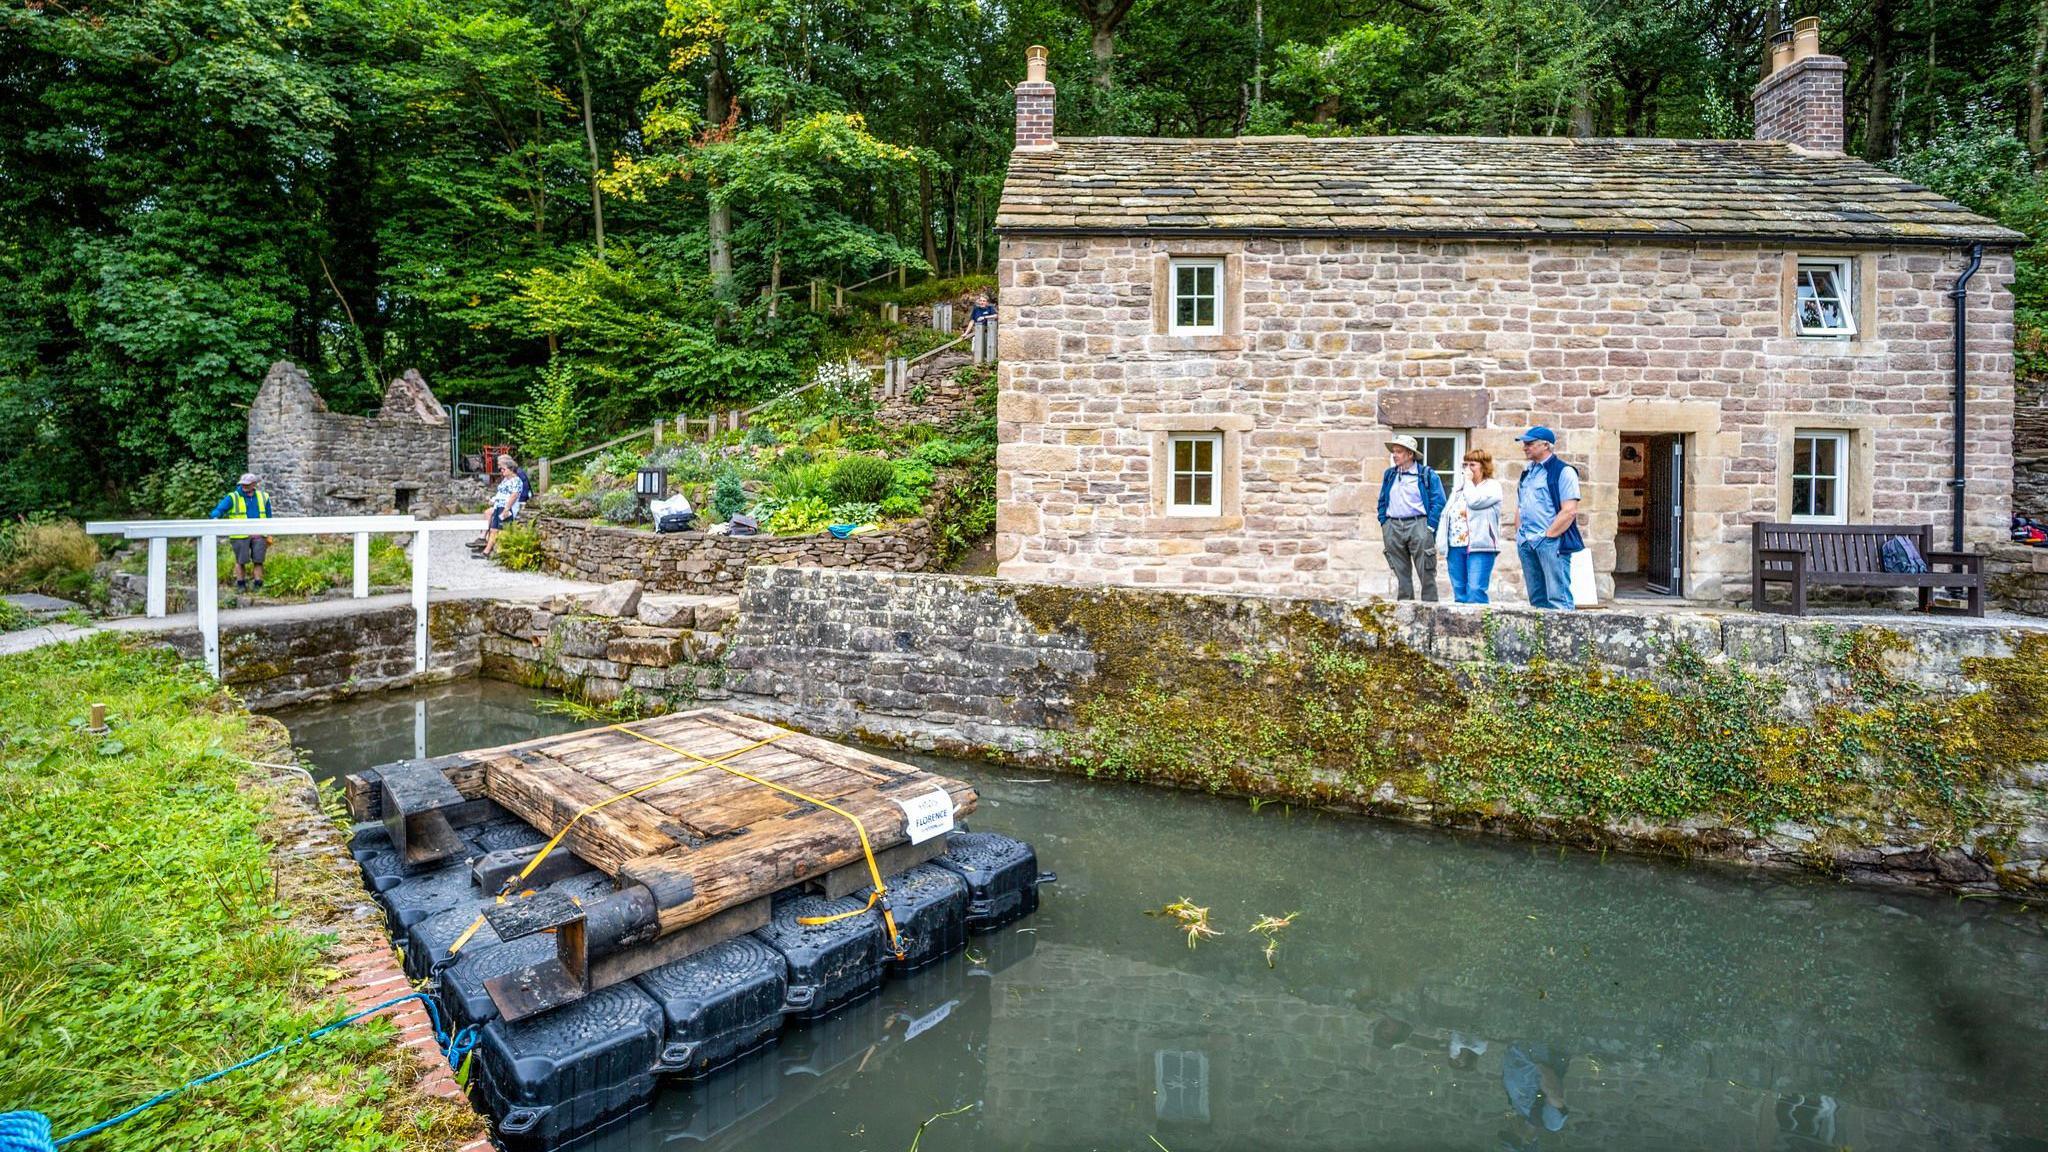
417	722
1436	991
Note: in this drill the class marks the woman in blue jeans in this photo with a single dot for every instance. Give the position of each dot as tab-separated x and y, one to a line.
1469	530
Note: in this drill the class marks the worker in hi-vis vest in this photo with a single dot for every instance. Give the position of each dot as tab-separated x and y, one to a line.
246	502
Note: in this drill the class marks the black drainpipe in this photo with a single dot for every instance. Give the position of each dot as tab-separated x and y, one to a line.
1961	296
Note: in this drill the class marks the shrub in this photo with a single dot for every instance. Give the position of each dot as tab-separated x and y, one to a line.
856	513
185	490
797	481
519	547
945	453
300	567
901	508
799	517
728	497
13	619
620	507
56	558
621	462
911	479
551	420
860	480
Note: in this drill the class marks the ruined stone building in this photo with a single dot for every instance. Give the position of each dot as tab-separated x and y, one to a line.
320	463
1206	343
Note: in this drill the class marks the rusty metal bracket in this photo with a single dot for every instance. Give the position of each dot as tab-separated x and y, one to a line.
583	933
419	806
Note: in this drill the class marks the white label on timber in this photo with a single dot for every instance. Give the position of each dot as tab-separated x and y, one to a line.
928	1019
927	816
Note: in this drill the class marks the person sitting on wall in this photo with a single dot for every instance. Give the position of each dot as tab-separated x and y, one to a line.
245	501
506	501
1547	521
1411	502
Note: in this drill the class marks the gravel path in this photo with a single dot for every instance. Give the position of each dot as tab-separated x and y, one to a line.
454	568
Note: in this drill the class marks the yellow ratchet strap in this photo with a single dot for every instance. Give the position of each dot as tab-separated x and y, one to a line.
512	882
881	891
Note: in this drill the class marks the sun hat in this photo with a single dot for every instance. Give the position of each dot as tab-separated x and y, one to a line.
1407	442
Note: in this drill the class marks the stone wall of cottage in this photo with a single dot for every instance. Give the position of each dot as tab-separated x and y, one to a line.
698	562
1332	344
2030	448
314	462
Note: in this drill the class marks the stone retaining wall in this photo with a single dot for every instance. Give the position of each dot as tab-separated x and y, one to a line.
1017	672
700	563
600	659
278	662
2030	448
2018	578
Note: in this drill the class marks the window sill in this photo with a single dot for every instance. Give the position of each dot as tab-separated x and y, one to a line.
1182	525
1835	346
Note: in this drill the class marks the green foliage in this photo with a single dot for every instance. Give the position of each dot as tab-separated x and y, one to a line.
728	496
146	933
620	507
1353	79
518	547
933	291
858	513
187	489
55	558
911	479
796	481
551	420
14	619
302	567
860	480
799	517
947	453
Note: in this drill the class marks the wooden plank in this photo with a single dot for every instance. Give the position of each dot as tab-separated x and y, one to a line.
874	767
754	803
709	787
548	796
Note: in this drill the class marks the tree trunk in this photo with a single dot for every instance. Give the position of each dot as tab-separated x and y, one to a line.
1103	17
590	139
2035	144
924	219
1582	110
718	223
1877	107
1258	52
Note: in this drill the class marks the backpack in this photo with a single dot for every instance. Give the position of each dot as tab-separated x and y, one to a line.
1899	554
1570	540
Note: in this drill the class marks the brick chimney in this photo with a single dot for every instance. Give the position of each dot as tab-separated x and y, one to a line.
1034	104
1800	98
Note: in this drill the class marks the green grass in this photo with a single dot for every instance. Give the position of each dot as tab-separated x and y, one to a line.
296	567
146	936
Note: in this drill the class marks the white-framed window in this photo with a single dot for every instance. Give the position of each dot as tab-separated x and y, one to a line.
1196	307
1442	448
1825	304
1820	477
1194	478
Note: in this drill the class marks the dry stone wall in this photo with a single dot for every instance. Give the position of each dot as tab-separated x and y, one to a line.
2030	449
292	658
669	653
1330	345
994	668
701	563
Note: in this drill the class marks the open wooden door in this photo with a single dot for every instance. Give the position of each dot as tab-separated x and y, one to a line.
1664	515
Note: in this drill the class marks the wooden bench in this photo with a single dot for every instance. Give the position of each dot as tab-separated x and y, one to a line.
1850	555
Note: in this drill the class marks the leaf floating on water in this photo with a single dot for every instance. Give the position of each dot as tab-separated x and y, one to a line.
1189	917
1270	927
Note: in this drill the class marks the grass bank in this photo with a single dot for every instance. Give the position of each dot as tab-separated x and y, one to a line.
152	928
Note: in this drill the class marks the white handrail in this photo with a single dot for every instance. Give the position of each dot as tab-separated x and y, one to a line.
209	532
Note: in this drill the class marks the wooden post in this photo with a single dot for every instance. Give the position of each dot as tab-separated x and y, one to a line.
422	546
209	602
159	577
540	480
890	313
361	566
657	433
839	297
902	275
942	317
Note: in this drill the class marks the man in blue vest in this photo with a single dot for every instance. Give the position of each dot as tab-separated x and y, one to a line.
1411	501
246	502
1546	521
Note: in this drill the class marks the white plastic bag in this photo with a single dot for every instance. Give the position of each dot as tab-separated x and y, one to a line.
1585	587
675	503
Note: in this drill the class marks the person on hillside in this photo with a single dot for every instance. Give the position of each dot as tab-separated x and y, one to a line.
1468	533
982	310
506	501
1546	521
245	501
1411	504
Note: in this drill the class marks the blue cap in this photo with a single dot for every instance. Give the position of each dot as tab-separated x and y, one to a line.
1539	432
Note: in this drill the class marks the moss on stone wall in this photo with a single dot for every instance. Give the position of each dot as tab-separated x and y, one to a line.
1323	703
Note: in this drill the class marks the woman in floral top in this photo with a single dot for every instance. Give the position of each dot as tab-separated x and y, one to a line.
505	502
1468	534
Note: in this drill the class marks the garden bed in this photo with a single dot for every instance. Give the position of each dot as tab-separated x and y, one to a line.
703	562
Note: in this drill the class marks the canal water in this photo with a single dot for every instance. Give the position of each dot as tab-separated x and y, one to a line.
1433	991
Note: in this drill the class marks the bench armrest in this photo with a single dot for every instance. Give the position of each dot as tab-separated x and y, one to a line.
1963	561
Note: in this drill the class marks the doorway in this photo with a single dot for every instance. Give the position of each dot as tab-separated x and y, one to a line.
1649	538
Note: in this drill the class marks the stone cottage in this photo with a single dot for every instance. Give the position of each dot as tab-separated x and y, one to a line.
315	462
1206	343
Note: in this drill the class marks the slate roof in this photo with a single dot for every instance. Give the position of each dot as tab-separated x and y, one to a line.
1458	185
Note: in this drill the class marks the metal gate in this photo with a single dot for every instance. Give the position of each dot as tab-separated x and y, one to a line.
476	426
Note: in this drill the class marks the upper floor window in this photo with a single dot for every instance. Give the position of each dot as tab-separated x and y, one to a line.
1197	304
1820	475
1825	304
1195	477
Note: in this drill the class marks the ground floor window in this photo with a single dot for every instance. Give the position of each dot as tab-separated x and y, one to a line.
1820	469
1194	482
1441	450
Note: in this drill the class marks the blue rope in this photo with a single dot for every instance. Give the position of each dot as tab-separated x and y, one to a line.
30	1131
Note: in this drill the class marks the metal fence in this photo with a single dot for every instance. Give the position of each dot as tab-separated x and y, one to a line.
475	428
